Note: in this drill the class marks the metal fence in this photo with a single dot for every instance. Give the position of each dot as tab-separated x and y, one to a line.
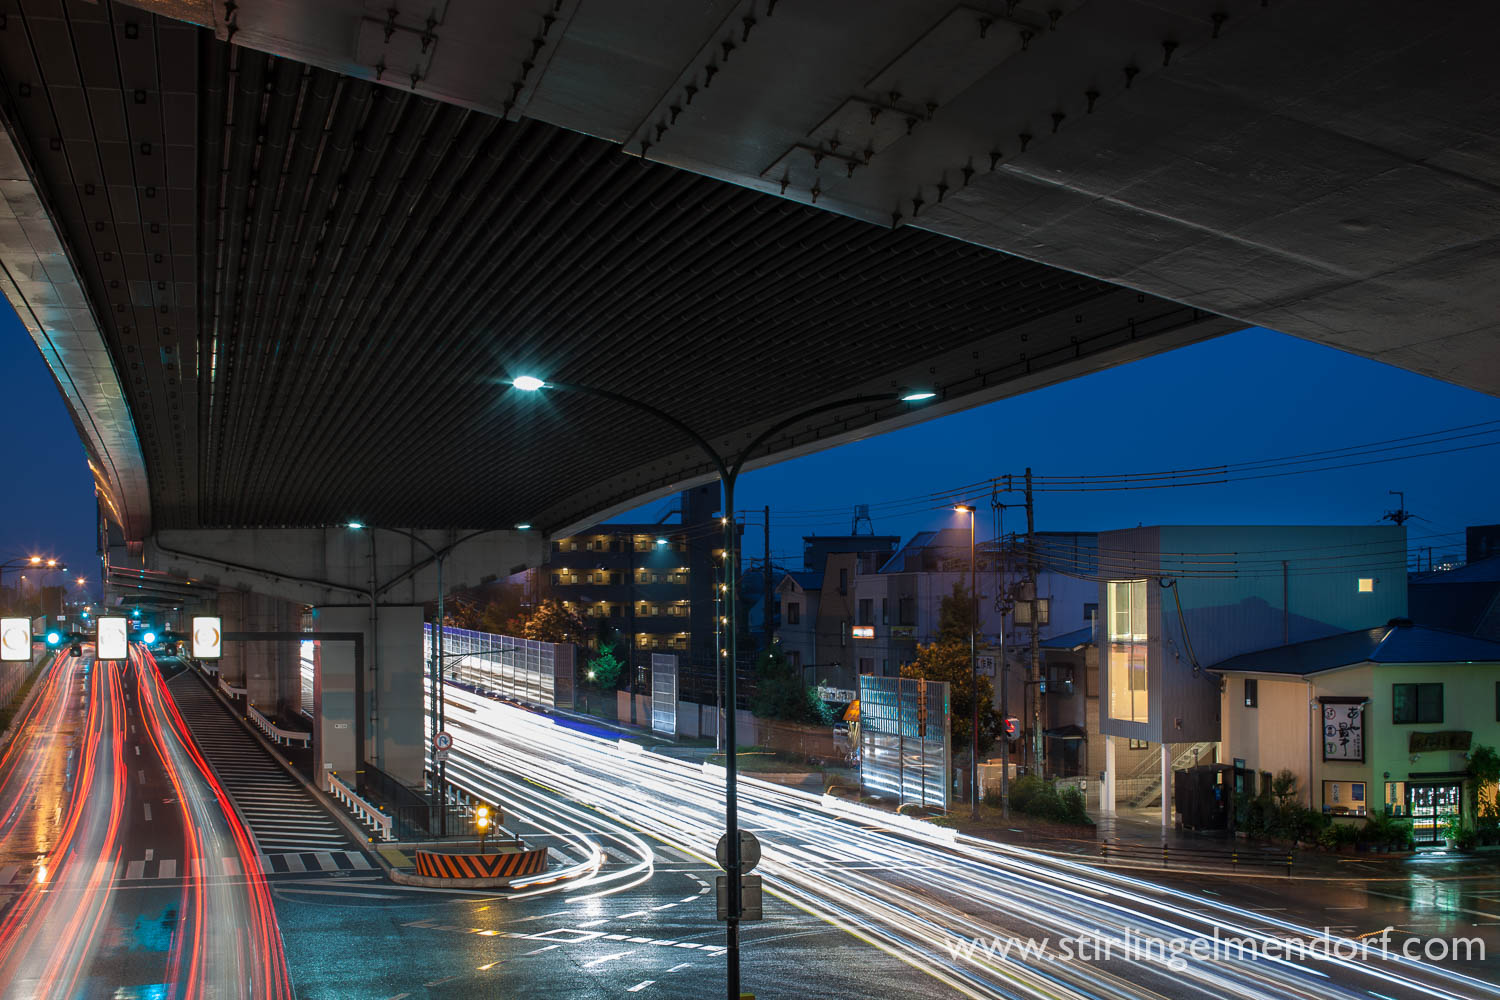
904	740
524	670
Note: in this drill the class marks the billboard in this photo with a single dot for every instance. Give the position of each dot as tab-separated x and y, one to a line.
905	739
113	639
208	638
664	693
15	639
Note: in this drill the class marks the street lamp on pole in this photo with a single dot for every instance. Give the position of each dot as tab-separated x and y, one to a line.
728	468
973	667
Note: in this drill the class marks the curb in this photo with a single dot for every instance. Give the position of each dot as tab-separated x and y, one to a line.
24	707
431	882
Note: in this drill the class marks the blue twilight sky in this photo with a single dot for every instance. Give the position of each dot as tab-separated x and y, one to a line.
1249	395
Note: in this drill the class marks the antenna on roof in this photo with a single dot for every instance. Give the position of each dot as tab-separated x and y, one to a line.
862	516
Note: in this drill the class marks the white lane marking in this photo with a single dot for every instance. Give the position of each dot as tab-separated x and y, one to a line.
680	966
606	958
137	749
538	951
627	916
687	899
333	892
664	906
640	985
142	775
168	869
147	806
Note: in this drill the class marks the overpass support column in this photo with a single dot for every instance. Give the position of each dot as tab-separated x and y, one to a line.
391	723
269	672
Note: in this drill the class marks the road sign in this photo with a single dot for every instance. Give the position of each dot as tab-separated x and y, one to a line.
441	756
208	637
443	741
15	639
749	851
750	897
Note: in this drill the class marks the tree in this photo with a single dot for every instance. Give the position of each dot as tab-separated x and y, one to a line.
604	669
551	622
607	663
949	662
781	693
956	615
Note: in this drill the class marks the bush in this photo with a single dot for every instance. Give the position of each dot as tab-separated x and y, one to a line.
1038	797
1381	829
1337	835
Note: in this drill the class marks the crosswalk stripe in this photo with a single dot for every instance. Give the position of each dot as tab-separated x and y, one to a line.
136	869
325	861
7	873
167	869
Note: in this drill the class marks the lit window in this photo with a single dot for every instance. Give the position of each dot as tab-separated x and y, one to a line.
1366	585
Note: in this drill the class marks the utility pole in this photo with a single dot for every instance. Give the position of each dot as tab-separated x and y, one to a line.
766	611
1037	742
1400	515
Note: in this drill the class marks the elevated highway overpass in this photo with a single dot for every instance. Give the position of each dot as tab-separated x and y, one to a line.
282	256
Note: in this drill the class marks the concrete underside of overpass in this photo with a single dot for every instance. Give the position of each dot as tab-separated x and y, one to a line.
283	257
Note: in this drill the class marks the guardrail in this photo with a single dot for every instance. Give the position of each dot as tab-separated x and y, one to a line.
1194	856
276	733
363	811
230	691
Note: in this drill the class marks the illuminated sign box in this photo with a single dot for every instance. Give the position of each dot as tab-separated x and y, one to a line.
863	631
208	638
15	639
114	641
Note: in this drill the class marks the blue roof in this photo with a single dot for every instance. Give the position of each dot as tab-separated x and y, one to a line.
1391	643
1070	640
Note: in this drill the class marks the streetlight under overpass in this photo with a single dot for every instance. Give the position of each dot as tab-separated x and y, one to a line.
728	468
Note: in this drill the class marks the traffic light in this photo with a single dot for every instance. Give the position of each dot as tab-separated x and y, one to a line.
1012	727
54	638
149	638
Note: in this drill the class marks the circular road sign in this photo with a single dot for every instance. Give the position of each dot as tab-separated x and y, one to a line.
749	851
443	741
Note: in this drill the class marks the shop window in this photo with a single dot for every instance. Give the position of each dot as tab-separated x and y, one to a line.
1344	798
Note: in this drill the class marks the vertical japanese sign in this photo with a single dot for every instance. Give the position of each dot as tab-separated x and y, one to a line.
1344	729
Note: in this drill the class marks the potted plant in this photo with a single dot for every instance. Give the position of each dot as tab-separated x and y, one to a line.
1451	829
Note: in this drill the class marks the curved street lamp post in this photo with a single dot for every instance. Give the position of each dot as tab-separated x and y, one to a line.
728	469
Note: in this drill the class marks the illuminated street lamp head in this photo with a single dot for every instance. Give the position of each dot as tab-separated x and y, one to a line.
51	563
917	395
661	541
36	560
523	526
356	525
528	383
965	508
